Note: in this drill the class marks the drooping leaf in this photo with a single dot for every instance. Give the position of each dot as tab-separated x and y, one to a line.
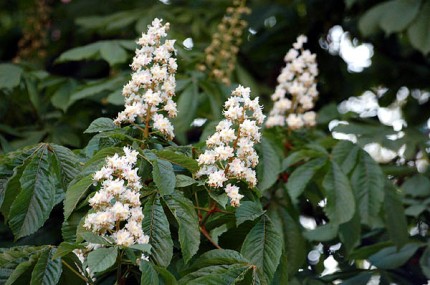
359	279
189	234
35	201
369	22
263	247
367	182
248	211
187	107
340	206
156	226
102	259
100	125
269	166
350	233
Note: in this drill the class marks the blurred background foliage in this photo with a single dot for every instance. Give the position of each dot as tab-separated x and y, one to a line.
63	64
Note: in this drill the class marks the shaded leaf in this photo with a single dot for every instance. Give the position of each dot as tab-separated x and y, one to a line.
248	211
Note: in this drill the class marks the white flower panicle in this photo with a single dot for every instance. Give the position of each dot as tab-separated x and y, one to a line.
148	95
117	212
230	152
298	80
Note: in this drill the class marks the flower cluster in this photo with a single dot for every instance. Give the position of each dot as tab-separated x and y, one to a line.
230	152
117	211
148	95
220	55
298	80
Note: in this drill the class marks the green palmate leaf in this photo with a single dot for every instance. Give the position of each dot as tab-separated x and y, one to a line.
67	161
21	270
92	89
113	53
33	204
79	53
269	166
417	186
189	234
101	125
367	181
12	189
294	243
369	22
75	193
263	247
10	75
345	154
322	233
218	275
156	226
29	265
394	215
164	177
340	206
149	275
102	259
398	15
391	257
47	270
302	175
248	211
418	30
179	159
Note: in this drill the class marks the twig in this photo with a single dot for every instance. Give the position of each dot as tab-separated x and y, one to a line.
206	234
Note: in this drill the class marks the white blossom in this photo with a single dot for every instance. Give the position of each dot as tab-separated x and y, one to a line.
230	152
297	80
148	96
117	211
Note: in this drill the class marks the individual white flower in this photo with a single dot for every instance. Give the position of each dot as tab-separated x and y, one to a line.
230	152
149	93
297	80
